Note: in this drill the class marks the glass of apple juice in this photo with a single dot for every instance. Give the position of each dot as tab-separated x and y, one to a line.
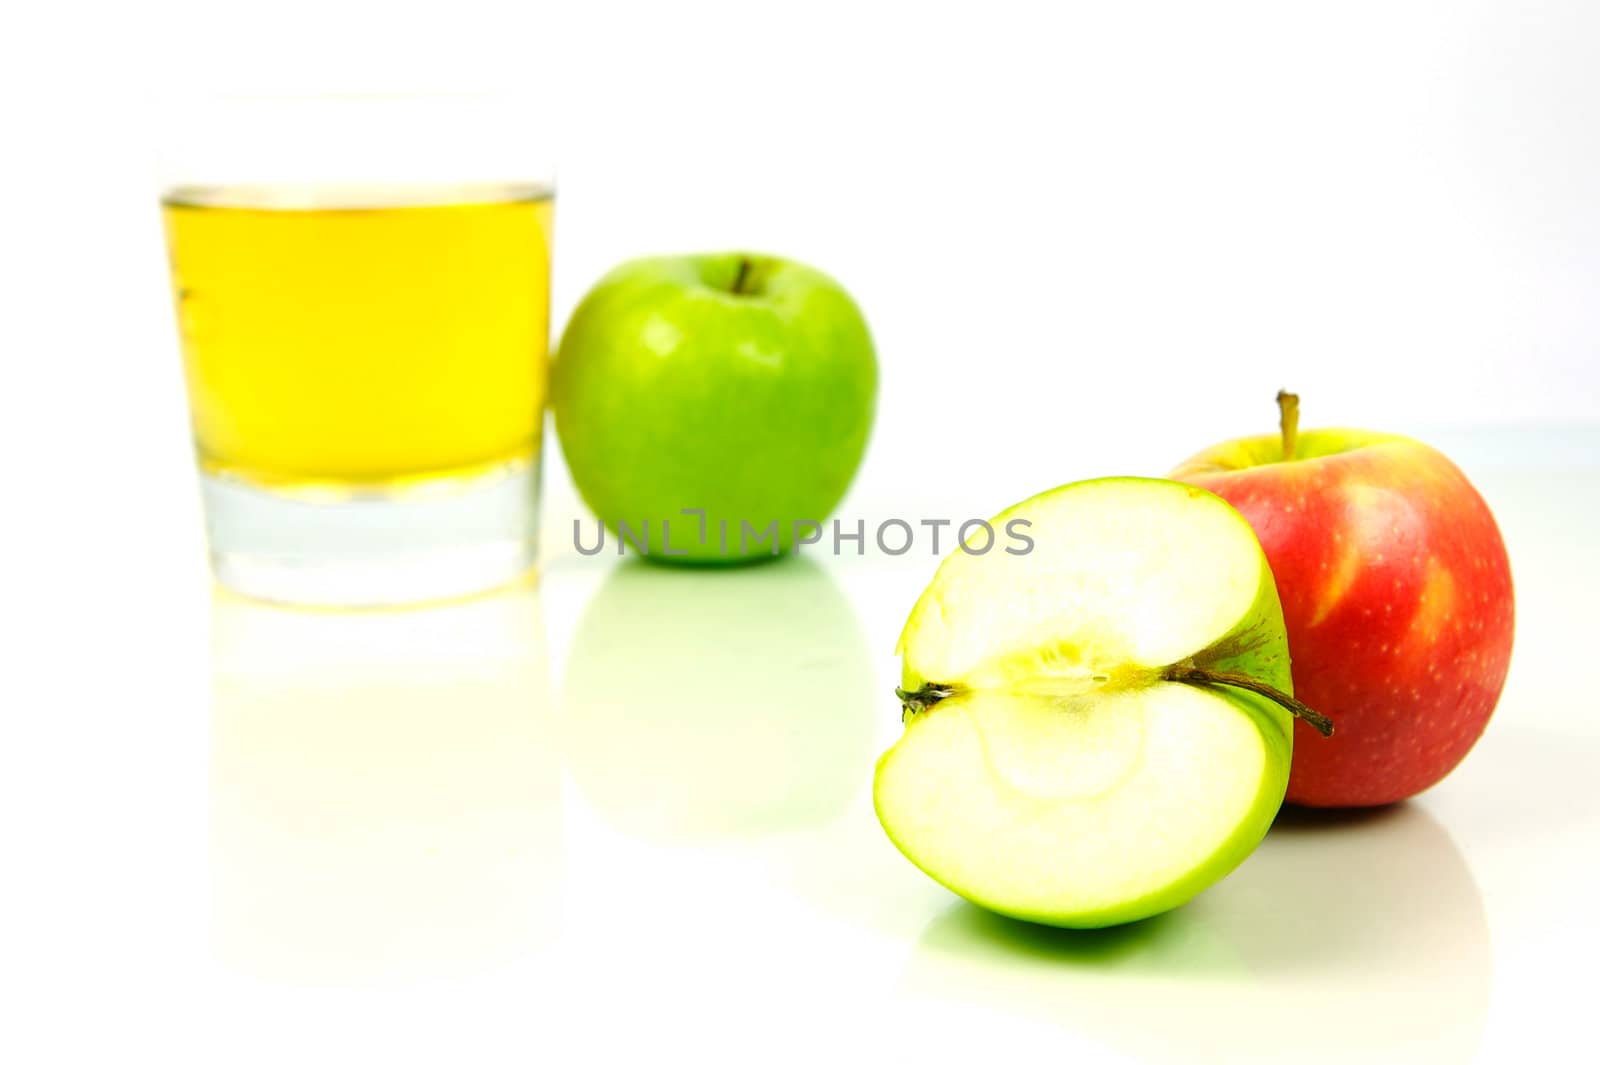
362	291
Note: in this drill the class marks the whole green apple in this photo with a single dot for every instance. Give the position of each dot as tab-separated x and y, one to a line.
1099	728
714	408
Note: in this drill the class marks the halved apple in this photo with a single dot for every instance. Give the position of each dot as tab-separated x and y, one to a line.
1100	728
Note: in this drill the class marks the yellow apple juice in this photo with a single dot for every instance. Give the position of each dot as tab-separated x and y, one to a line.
362	338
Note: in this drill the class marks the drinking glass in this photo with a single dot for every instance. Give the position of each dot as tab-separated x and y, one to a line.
362	291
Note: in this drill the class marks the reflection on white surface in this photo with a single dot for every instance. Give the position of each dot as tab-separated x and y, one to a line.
705	704
384	789
1346	937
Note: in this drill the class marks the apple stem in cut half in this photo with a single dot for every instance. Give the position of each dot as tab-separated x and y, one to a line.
1288	420
1189	674
925	697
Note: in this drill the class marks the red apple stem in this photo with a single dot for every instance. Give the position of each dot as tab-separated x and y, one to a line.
1288	421
1187	674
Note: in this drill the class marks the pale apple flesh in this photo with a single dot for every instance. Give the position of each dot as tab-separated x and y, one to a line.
1050	769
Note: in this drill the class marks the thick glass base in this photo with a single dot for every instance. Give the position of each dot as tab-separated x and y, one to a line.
448	538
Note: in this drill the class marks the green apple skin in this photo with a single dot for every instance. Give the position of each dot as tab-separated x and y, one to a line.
673	391
1255	644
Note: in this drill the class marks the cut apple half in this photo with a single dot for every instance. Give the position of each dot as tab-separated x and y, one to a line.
1100	728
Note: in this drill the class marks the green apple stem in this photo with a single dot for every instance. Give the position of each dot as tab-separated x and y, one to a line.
1187	674
1288	420
742	276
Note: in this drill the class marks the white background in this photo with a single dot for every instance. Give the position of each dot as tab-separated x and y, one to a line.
1090	238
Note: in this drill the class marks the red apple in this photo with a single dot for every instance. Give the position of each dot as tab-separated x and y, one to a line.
1397	594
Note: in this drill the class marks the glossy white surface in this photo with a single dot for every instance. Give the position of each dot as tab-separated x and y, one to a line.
628	810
